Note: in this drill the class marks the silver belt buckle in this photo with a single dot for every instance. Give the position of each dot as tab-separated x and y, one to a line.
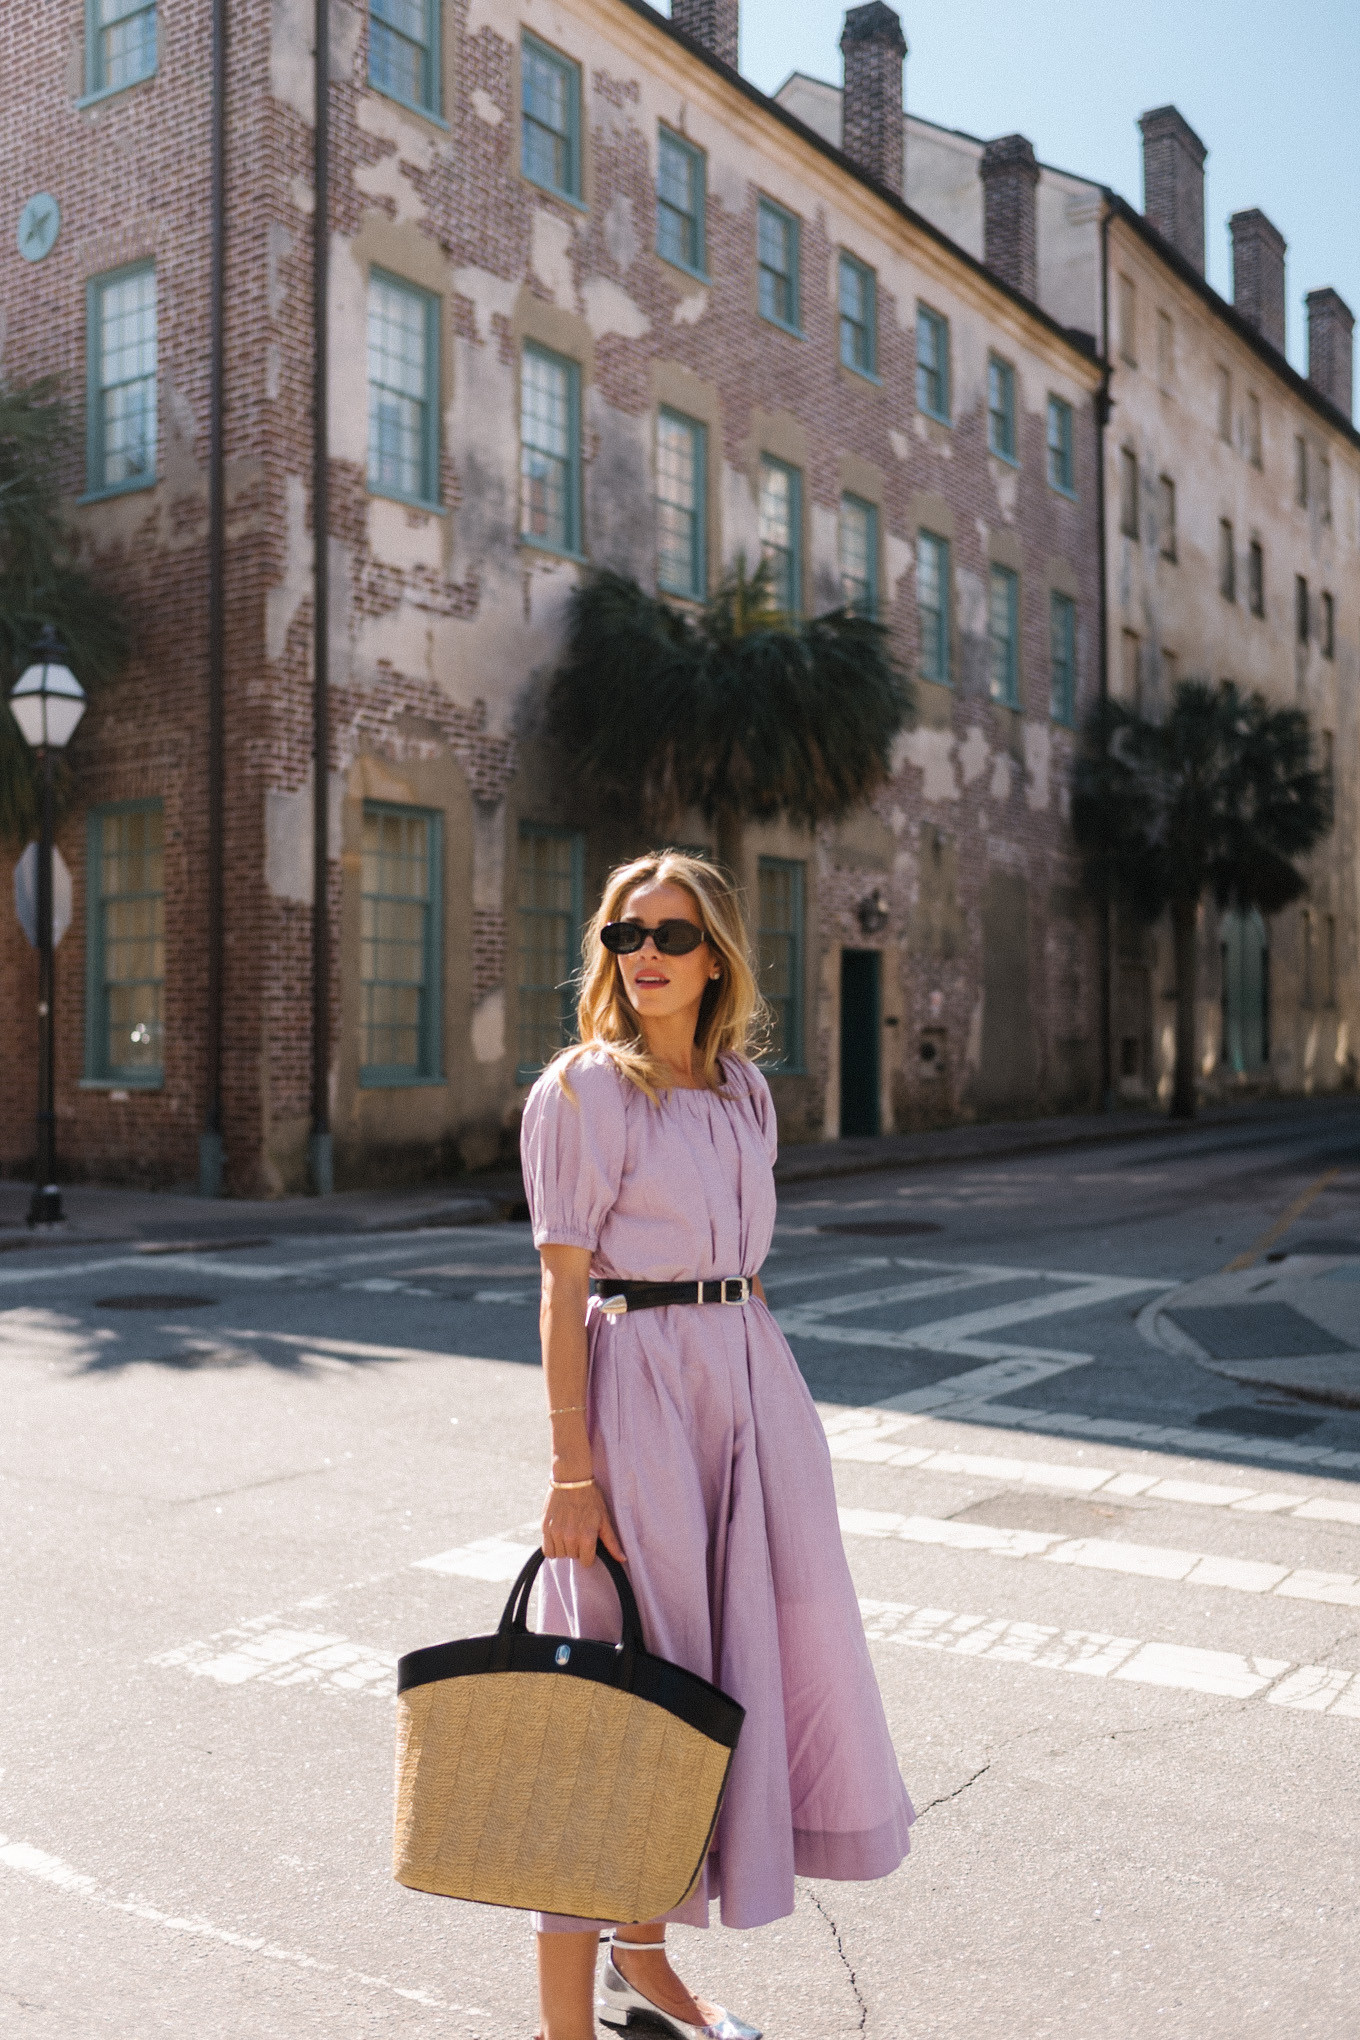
612	1306
743	1287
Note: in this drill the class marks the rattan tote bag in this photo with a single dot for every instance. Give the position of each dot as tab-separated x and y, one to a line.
558	1774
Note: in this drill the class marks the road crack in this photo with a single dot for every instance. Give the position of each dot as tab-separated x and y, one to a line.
845	1961
945	1797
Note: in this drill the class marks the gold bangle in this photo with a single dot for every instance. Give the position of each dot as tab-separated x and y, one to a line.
572	1483
569	1410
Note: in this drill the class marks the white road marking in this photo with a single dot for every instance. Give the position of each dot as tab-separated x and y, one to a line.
1108	1554
488	1558
1315	1688
272	1654
43	1868
413	1243
357	1349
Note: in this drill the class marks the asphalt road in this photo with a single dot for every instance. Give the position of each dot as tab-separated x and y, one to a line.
1112	1600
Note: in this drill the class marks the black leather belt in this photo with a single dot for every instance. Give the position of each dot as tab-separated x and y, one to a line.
618	1297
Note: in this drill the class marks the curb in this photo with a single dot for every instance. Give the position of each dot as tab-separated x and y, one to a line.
1167	1336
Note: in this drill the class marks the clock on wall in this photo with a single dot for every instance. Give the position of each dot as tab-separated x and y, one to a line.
39	225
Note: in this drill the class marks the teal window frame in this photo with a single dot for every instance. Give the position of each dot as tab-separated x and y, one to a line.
934	394
774	283
428	1067
788	585
97	82
684	227
1001	439
866	603
570	461
100	1069
857	306
935	618
536	56
428	46
784	945
692	585
1062	638
571	919
1061	450
1003	599
426	496
96	419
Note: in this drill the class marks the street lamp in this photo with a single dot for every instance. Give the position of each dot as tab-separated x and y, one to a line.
47	703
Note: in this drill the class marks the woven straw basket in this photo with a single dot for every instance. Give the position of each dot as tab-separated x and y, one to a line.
555	1773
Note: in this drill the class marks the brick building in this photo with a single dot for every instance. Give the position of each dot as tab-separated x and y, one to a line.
592	299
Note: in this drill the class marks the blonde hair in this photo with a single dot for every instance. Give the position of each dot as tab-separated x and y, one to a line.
732	1015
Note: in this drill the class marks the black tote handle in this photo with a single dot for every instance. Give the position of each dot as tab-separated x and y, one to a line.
516	1617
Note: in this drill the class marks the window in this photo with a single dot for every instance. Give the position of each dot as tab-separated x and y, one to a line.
859	555
1062	638
399	945
932	364
550	457
125	954
1324	488
1301	610
1254	430
1166	503
1128	321
1224	381
681	199
1061	468
550	128
780	955
859	315
1326	626
120	43
121	355
1128	492
1301	471
1227	561
681	485
403	51
1166	350
781	529
1308	945
551	873
1130	667
1256	578
1001	408
403	390
1003	631
777	255
933	606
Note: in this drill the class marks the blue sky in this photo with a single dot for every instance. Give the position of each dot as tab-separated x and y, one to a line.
1272	92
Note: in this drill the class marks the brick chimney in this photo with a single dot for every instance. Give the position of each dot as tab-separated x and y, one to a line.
713	23
1010	182
1258	274
1173	182
873	125
1330	346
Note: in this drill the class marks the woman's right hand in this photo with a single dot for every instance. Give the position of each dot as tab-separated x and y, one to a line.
574	1520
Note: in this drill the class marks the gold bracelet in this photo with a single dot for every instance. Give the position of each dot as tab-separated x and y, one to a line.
570	1410
572	1483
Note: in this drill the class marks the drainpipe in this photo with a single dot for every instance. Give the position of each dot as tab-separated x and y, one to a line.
319	1147
210	1150
1104	405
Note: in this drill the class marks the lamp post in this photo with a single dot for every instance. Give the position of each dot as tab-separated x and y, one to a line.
47	703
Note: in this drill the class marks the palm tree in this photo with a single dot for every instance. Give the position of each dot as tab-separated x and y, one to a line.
41	580
1219	797
739	711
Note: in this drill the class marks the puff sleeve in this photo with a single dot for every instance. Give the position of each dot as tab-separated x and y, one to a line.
762	1105
573	1150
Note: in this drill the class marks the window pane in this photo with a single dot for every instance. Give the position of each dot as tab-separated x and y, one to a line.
124	340
548	450
399	49
395	943
857	315
779	534
932	363
124	43
780	957
777	238
549	908
679	202
932	603
551	90
399	391
1060	468
1063	637
127	1035
679	505
1002	618
859	555
1001	408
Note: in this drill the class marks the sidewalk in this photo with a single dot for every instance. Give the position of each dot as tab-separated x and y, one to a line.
1292	1323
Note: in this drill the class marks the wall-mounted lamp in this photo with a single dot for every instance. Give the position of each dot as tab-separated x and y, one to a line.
872	912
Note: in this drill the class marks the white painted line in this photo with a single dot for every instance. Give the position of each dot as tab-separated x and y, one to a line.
489	1558
1194	1444
1325	1510
267	1653
358	1349
43	1868
1315	1689
1108	1554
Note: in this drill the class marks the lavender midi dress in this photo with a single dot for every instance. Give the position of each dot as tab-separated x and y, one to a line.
710	1453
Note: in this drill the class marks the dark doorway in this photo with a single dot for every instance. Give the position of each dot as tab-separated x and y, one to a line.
859	1042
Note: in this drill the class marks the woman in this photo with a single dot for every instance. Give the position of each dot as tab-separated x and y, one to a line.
683	1436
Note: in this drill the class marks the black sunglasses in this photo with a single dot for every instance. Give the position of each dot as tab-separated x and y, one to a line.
672	938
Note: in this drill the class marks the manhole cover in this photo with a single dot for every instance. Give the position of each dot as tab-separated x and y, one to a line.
143	1300
884	1228
1257	1423
1256	1331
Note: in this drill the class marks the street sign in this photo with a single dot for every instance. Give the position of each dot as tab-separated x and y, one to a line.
26	895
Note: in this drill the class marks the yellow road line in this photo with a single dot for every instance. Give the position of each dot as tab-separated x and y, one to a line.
1281	1225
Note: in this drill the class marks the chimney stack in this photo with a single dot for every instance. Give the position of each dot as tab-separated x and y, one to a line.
714	23
1173	182
873	125
1258	274
1330	346
1010	183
